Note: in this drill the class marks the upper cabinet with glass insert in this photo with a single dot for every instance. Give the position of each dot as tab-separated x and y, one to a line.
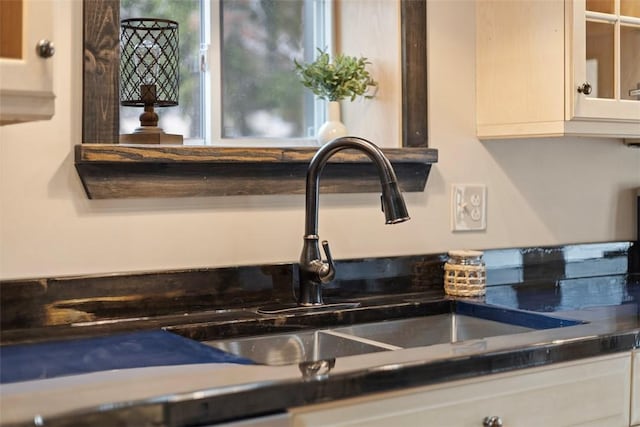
606	48
553	68
26	66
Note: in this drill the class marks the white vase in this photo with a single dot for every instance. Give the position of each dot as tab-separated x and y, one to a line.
333	128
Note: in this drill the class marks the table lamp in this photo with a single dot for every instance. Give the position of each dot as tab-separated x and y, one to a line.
149	75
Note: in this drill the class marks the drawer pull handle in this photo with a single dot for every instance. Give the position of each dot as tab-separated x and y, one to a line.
585	88
492	421
45	49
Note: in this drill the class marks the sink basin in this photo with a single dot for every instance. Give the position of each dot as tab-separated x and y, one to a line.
437	329
285	349
461	321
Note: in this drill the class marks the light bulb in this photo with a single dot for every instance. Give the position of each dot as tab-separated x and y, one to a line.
147	57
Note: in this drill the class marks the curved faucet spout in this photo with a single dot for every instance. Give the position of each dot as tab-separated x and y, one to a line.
314	271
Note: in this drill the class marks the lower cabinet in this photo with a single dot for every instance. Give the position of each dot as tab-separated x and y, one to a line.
635	389
276	420
590	392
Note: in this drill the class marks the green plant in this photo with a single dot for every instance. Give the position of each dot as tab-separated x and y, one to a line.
344	77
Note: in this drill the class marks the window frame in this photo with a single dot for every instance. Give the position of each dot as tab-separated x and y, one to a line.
111	170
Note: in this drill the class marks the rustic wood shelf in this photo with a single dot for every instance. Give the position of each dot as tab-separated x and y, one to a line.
110	171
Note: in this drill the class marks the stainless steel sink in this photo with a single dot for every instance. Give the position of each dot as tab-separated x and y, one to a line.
437	329
285	349
462	321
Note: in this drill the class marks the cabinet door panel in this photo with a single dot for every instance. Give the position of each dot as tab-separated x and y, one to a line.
603	58
584	393
11	29
26	86
278	420
629	63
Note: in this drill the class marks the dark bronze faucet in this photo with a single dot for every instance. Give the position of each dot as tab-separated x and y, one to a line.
314	272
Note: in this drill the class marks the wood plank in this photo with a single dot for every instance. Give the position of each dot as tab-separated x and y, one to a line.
119	153
101	114
117	171
414	73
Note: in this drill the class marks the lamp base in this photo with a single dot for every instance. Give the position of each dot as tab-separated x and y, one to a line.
150	135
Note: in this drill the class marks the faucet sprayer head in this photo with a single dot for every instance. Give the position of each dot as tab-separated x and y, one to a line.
393	206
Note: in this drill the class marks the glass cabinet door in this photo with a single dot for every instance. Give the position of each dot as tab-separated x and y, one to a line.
606	56
630	60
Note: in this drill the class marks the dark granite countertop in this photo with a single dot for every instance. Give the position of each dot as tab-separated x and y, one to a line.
601	290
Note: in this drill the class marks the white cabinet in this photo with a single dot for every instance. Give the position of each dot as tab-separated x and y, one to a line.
277	420
590	392
536	61
606	49
635	389
26	76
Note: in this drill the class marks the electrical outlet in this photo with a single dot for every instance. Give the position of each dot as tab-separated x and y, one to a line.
468	207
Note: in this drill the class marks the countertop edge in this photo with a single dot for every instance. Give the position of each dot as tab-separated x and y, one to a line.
207	406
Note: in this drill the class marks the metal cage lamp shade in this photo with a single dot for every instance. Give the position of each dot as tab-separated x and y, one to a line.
149	75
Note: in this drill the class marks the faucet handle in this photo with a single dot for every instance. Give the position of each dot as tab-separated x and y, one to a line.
328	271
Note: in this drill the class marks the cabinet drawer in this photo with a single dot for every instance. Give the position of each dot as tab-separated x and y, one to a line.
592	392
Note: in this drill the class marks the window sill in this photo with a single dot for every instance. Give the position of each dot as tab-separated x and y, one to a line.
114	171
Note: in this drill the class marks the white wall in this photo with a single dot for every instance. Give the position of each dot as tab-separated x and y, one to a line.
540	192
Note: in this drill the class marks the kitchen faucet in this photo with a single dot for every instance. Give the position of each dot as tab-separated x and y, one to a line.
314	272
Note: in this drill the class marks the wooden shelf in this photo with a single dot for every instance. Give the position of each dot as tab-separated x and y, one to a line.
111	171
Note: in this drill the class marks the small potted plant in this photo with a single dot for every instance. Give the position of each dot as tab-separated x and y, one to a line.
344	77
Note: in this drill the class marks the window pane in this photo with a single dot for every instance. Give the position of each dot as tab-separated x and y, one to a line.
629	61
184	119
261	96
599	59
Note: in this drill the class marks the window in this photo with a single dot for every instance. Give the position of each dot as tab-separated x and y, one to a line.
236	69
395	37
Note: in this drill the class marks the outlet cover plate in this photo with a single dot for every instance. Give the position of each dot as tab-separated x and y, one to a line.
468	207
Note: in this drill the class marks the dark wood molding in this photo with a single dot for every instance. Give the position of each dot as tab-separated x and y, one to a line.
118	153
100	106
110	170
117	171
414	72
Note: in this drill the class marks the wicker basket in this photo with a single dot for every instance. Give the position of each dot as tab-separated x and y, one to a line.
464	274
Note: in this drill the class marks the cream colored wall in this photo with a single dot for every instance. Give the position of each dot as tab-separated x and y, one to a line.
371	29
540	192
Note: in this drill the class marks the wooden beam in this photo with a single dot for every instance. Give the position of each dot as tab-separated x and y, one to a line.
101	64
414	73
117	171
